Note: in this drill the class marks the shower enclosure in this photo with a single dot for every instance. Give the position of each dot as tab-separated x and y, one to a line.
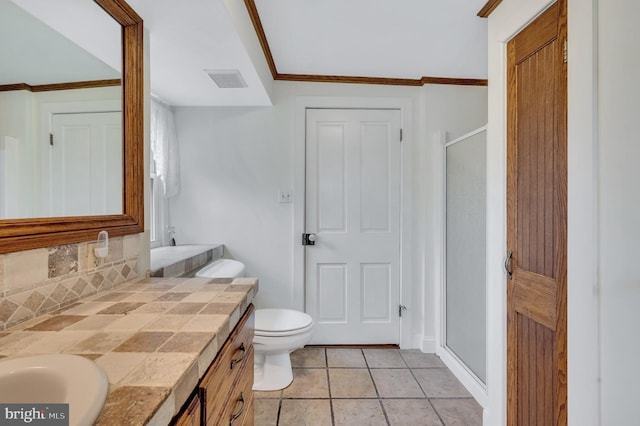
464	286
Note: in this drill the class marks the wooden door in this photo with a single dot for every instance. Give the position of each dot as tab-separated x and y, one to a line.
353	205
537	222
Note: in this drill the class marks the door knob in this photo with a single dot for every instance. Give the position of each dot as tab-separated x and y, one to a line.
309	239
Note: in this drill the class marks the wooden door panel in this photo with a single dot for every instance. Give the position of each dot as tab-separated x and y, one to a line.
535	81
536	395
531	38
536	222
535	297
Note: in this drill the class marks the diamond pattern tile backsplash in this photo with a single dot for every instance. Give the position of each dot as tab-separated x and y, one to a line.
37	282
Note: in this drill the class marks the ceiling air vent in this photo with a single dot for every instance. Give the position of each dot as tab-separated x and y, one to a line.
227	79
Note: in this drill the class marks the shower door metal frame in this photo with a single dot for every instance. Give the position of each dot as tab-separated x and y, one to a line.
472	382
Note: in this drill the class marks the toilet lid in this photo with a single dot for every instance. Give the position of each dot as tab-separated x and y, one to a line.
281	320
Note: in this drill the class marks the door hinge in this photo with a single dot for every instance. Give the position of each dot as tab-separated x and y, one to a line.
51	139
400	309
400	135
566	51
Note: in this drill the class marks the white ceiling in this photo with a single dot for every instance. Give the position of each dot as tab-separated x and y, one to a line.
47	45
377	38
370	38
189	37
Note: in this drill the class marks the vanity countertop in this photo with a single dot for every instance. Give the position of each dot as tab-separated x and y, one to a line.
153	337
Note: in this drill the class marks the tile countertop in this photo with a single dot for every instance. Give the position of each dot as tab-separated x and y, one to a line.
153	337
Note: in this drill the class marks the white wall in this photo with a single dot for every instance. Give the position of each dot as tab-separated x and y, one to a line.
449	112
235	160
619	208
17	159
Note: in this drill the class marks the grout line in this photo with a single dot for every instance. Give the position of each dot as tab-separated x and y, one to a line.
326	363
433	407
427	397
375	387
279	409
418	382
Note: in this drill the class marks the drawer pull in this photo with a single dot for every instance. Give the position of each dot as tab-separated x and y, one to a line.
237	360
235	416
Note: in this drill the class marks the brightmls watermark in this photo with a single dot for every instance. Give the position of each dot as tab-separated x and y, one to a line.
34	414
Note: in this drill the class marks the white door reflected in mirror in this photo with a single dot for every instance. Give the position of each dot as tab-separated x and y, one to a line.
86	159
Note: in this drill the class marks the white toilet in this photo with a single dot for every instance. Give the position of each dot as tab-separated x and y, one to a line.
278	332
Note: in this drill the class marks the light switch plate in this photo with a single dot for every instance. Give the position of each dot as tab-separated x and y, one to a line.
285	197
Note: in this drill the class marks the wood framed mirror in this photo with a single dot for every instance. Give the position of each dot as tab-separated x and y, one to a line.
31	233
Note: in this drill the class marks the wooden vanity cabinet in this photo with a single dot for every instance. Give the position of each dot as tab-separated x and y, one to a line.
226	386
192	415
225	395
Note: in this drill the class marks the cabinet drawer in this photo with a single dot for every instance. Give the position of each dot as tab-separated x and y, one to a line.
192	415
230	370
240	405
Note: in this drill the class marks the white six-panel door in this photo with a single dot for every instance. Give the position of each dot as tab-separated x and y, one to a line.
353	206
86	164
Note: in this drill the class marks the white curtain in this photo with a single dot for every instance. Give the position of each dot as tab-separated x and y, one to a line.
164	148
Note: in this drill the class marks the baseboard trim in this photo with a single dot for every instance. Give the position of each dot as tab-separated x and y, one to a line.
388	346
468	380
429	345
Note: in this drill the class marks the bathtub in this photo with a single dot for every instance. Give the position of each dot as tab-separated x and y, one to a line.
175	261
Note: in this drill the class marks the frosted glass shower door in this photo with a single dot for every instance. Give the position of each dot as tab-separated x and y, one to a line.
465	289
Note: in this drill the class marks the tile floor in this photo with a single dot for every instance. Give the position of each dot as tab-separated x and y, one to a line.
334	386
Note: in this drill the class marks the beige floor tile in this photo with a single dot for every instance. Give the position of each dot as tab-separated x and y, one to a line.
384	358
440	383
309	358
267	394
416	359
350	412
410	412
396	383
305	412
265	412
459	412
307	383
348	358
356	401
351	383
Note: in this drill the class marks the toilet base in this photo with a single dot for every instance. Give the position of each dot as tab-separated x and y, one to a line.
272	372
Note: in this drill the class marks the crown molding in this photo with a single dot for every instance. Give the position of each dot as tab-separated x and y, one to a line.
488	8
60	86
257	25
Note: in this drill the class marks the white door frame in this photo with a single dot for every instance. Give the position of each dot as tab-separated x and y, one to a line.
303	103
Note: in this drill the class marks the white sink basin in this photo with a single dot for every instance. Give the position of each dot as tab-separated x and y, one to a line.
56	378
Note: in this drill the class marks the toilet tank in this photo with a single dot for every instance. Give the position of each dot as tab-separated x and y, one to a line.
222	268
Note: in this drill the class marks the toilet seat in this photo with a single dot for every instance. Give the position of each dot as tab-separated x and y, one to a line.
262	333
281	322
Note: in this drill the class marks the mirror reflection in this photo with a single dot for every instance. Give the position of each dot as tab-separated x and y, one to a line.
60	110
